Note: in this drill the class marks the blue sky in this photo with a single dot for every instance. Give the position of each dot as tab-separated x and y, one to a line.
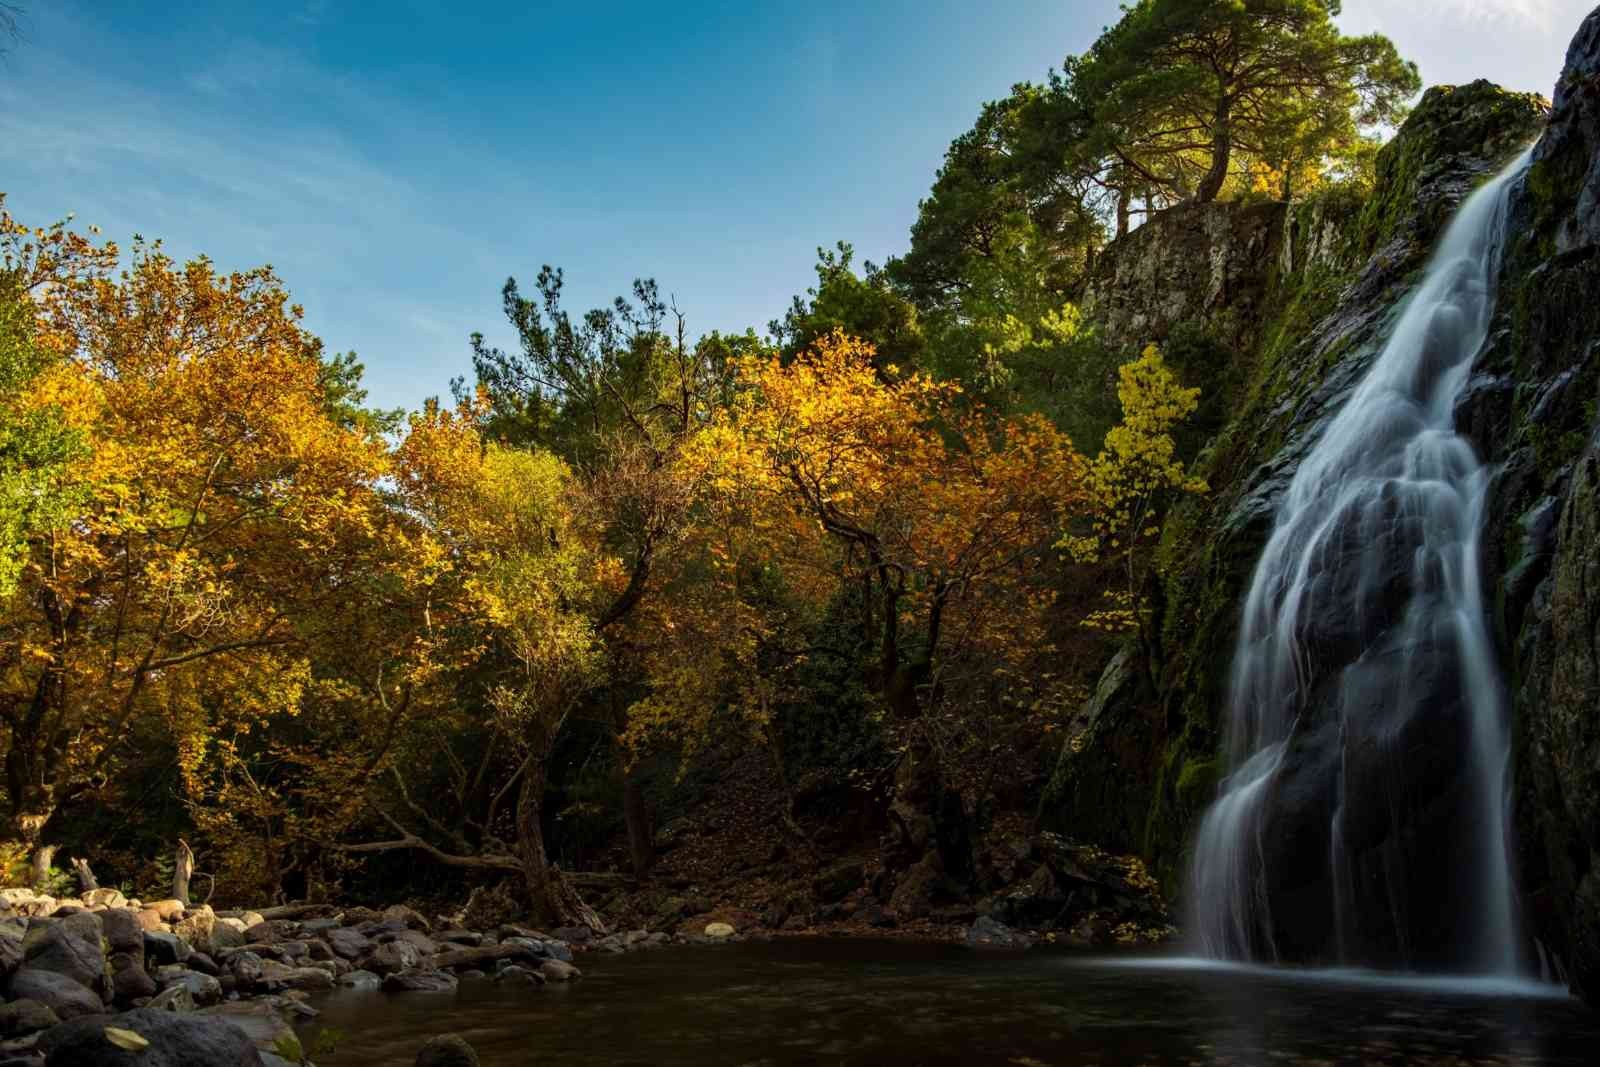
396	161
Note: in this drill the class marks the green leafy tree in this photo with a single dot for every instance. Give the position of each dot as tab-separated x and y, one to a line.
346	398
35	442
1176	82
863	306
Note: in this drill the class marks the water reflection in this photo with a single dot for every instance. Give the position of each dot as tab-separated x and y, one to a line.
820	1002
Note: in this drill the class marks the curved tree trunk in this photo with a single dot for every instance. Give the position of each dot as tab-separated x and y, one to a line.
1221	154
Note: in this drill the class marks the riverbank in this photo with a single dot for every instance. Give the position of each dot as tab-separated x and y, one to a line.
78	972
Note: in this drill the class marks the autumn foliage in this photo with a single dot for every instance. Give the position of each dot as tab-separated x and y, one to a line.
334	638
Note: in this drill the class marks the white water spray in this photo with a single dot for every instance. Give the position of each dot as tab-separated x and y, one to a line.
1363	629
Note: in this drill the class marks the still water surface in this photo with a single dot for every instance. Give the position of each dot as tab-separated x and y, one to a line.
857	1002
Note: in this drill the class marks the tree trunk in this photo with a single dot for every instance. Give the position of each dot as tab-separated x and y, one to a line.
86	878
551	896
1221	154
43	856
636	814
182	871
1124	210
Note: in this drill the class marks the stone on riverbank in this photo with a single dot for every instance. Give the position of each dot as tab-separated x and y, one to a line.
987	933
61	994
25	1017
175	1040
420	982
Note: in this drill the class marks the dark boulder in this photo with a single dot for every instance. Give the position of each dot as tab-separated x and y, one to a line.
25	1017
420	982
64	996
70	947
447	1050
122	931
175	1040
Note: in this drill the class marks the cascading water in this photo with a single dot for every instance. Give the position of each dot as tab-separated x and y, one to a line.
1364	817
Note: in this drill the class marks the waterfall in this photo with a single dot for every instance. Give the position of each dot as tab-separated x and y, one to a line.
1364	816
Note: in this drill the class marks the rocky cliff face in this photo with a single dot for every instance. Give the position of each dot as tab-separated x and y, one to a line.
1211	263
1305	297
1536	411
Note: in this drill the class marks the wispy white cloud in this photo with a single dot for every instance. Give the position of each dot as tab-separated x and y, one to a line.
206	165
1537	13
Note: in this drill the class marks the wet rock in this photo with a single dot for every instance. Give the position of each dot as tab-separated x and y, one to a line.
420	982
719	930
447	1050
261	1020
988	933
516	974
173	998
25	1017
277	976
424	944
361	980
556	971
347	943
246	967
202	988
391	956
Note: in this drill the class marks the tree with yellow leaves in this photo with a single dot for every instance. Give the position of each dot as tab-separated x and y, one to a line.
216	510
509	647
1131	480
938	514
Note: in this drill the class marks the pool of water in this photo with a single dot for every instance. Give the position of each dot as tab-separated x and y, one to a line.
859	1002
